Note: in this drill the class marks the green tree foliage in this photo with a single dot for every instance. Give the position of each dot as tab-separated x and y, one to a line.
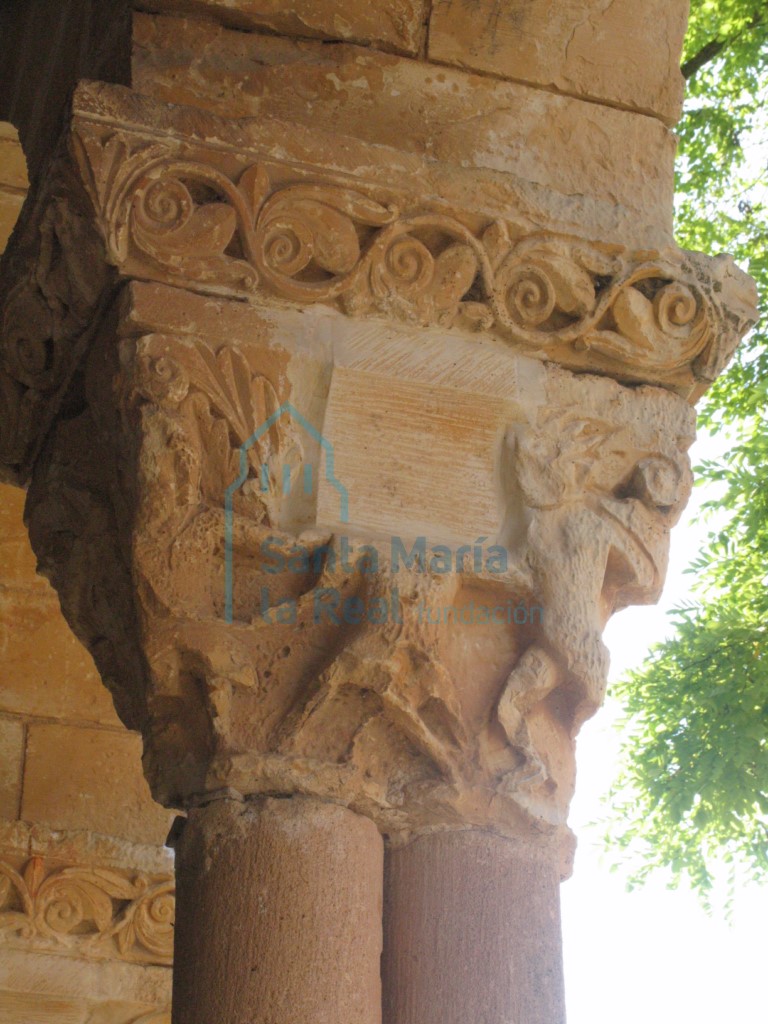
693	792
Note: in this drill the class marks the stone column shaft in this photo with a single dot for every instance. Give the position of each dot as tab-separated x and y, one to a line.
279	915
471	933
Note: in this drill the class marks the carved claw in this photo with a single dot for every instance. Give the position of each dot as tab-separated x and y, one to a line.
535	675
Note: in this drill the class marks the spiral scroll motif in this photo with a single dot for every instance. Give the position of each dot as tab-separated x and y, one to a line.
164	205
528	294
287	246
62	907
163	380
676	309
406	267
153	919
108	912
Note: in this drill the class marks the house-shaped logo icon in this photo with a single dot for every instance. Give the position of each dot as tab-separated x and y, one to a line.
266	476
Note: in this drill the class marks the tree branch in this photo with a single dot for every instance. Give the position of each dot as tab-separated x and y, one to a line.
714	47
704	56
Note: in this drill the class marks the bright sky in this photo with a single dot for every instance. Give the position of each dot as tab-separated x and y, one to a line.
652	955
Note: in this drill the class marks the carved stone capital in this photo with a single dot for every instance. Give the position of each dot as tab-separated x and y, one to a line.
312	558
355	537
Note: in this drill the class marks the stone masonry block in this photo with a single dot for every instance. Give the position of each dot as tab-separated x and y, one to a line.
621	53
46	670
84	778
11	752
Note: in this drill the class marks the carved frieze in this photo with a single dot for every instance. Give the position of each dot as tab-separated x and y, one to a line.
373	251
91	910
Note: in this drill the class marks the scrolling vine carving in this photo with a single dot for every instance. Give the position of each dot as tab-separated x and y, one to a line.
642	313
100	910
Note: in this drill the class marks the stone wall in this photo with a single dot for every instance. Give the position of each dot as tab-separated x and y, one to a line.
86	890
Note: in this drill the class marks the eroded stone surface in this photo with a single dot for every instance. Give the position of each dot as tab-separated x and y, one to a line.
389	25
615	159
621	53
415	716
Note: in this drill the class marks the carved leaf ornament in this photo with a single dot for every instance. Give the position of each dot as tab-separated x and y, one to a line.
327	243
130	917
228	402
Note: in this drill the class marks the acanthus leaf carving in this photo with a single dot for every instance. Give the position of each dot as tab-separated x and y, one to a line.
212	404
646	315
93	909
